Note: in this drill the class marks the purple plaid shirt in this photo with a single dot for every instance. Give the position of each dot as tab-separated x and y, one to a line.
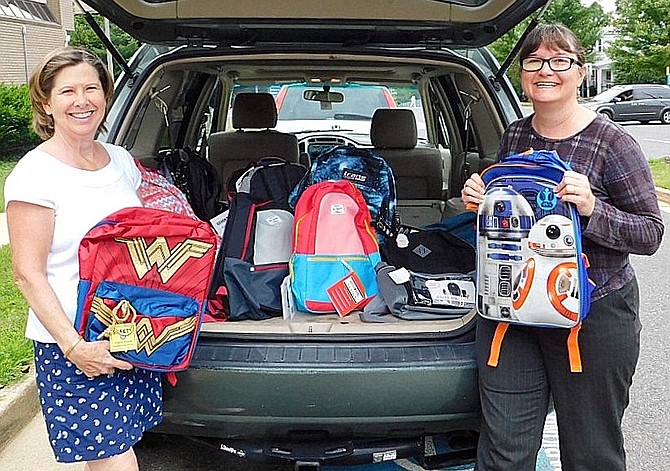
626	218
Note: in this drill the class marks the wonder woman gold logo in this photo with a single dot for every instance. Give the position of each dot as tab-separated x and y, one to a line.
146	339
158	253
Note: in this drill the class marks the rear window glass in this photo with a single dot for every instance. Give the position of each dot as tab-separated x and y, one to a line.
358	103
352	115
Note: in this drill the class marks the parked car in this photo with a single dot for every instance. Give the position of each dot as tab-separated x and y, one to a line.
638	102
323	388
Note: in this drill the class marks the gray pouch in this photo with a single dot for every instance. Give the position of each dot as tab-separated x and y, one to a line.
422	296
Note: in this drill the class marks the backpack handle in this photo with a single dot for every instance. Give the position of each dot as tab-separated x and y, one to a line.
544	158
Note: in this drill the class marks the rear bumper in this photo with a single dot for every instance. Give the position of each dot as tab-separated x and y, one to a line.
279	392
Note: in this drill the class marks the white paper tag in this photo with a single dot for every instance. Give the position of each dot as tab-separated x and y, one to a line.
287	306
399	276
402	241
353	290
451	292
219	221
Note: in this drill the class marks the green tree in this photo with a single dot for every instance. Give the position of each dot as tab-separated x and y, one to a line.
586	22
84	36
642	51
16	131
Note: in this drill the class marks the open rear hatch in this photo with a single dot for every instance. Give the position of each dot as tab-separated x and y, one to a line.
347	22
339	23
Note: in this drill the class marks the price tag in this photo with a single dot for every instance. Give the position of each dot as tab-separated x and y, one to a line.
347	294
122	337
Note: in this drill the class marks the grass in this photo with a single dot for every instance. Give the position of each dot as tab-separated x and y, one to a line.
6	166
16	351
660	170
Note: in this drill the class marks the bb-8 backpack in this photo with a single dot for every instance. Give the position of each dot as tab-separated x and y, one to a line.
530	265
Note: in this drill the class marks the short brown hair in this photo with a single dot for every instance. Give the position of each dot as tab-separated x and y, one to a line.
553	35
42	80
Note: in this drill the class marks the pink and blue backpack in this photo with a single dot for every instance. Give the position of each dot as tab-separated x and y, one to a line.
332	238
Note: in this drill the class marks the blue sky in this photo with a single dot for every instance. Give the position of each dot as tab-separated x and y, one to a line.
608	5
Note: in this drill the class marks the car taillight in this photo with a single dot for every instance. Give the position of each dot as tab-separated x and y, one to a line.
280	98
390	102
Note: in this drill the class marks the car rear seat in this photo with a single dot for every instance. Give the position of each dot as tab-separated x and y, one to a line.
417	169
254	114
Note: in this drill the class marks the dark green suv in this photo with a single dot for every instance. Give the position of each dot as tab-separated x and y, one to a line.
323	388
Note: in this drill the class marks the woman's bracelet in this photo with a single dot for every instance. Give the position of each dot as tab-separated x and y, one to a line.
74	344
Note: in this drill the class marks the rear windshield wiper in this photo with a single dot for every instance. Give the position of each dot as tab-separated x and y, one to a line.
351	116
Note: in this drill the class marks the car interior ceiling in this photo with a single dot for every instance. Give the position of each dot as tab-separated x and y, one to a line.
187	88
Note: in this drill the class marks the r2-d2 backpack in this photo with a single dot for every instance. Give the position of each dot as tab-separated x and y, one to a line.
530	265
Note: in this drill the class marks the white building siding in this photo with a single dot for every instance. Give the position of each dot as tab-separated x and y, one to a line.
25	42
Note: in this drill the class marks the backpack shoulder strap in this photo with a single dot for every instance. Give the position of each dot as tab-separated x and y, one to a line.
574	355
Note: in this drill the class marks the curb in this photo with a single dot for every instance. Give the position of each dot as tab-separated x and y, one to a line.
18	405
663	195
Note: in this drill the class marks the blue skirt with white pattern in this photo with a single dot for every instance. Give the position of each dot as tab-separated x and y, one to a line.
94	418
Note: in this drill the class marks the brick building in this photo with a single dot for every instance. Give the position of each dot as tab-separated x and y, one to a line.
30	29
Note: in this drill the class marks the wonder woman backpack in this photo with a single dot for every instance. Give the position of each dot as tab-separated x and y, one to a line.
144	275
530	265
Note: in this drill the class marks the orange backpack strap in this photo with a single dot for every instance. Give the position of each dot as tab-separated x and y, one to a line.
573	349
496	343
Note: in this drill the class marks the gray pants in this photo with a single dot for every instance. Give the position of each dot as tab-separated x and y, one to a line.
589	406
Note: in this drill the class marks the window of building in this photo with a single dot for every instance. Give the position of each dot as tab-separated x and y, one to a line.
35	10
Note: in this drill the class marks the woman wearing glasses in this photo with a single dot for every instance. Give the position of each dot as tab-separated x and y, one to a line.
612	189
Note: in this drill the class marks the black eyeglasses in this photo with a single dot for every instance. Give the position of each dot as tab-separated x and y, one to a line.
557	64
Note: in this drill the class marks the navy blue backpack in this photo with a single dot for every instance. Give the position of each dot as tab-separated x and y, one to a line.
370	173
255	248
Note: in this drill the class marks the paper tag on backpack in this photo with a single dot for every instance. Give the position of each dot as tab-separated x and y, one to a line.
347	294
122	337
219	221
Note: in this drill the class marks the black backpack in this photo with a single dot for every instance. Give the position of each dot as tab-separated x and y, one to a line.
253	259
196	177
444	247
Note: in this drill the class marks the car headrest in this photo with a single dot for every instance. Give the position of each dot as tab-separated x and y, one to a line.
393	128
254	110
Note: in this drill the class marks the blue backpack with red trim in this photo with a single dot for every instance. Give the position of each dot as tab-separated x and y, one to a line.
530	265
